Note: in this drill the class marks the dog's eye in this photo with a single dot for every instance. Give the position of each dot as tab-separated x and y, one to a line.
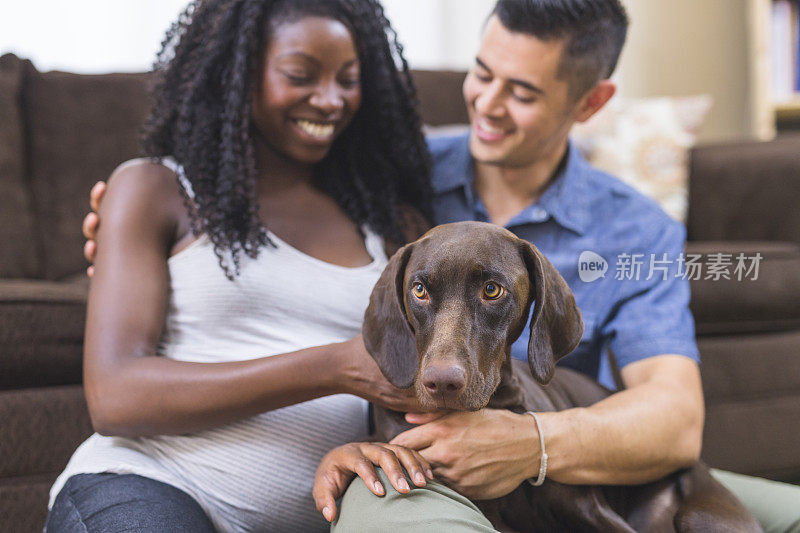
492	291
419	291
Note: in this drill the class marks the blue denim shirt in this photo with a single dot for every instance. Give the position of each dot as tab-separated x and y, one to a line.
584	220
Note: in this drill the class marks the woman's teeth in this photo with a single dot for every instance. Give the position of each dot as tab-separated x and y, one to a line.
320	131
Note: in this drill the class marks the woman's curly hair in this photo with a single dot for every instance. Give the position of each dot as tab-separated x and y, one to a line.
206	73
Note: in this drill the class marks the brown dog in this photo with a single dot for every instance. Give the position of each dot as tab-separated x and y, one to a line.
442	319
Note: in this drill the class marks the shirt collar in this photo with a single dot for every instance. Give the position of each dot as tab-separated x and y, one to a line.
564	199
457	169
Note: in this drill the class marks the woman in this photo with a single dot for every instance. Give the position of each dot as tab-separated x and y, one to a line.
235	263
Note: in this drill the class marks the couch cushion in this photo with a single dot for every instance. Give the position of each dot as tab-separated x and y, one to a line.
41	332
768	303
23	501
20	257
745	191
749	367
755	437
645	142
752	392
42	427
79	128
439	93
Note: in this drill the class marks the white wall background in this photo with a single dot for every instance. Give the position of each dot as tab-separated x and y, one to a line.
87	36
690	47
661	56
94	36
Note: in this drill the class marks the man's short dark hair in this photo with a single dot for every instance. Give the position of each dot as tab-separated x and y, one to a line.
594	32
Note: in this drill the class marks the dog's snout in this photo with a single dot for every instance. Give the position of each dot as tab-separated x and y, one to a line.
447	379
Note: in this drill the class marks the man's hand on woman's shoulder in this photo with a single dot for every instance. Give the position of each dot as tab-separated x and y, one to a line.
91	222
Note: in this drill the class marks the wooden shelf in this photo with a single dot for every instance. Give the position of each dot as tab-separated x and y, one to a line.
788	111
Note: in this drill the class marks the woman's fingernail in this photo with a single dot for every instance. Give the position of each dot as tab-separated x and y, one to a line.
403	484
419	478
326	512
429	473
378	487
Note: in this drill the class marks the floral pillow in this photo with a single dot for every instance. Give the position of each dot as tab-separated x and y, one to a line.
645	142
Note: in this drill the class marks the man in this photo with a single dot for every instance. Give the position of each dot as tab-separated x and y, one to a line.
523	95
542	66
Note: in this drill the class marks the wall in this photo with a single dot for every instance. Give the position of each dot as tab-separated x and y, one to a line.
679	47
88	36
439	33
686	47
92	36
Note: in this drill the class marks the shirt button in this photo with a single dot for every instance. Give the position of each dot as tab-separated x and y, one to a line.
538	213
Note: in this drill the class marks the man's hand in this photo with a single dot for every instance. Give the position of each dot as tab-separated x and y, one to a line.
91	222
483	454
636	435
340	464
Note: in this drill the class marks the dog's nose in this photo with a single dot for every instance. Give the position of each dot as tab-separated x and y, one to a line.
444	379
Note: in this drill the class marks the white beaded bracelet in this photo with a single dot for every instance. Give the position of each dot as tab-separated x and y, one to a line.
543	461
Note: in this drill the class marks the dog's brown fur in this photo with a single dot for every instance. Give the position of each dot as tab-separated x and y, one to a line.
456	331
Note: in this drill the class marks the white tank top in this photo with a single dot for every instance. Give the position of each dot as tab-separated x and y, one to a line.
255	474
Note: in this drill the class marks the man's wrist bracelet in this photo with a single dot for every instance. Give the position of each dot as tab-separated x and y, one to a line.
543	460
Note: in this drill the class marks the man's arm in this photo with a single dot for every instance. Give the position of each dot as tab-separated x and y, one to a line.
644	432
648	430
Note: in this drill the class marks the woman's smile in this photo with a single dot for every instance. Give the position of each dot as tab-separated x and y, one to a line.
317	131
310	90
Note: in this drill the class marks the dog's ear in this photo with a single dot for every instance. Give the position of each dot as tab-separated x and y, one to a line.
556	324
387	333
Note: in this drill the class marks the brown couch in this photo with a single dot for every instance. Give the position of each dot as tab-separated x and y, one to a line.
61	132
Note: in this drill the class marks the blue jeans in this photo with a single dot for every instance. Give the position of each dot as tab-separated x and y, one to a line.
114	502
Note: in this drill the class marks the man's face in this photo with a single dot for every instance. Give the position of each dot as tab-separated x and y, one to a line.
520	111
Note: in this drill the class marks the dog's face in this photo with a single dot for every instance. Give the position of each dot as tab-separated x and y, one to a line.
447	308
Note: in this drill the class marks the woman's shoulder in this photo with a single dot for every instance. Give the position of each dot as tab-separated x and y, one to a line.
146	176
147	187
147	171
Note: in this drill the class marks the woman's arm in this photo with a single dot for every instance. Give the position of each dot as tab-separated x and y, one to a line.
132	392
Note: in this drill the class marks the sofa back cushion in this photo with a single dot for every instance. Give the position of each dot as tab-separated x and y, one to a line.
439	93
746	191
78	129
743	287
20	257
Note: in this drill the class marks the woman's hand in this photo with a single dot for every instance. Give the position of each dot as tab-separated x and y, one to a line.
363	378
91	222
340	464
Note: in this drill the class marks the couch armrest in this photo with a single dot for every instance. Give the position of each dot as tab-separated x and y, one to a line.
745	191
41	429
41	333
749	340
763	301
